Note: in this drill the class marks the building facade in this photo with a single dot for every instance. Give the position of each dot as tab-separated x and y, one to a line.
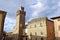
57	27
2	18
40	29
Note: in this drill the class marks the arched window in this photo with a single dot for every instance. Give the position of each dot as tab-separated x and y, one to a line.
41	25
35	33
41	33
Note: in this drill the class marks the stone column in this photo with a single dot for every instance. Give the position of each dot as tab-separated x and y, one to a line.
2	18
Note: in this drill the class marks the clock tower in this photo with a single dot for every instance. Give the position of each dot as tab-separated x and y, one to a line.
20	22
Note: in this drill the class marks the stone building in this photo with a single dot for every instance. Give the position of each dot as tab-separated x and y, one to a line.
2	18
40	29
57	27
18	30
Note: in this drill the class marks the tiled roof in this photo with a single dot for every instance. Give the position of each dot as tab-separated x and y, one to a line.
55	17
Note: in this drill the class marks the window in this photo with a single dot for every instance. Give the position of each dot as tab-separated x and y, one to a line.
35	33
30	26
26	38
42	38
36	39
41	33
30	34
59	27
59	19
35	25
41	24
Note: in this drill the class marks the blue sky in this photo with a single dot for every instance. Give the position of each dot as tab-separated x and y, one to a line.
33	8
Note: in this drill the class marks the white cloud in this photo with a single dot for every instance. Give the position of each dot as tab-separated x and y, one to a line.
59	3
35	14
37	9
9	24
37	5
45	8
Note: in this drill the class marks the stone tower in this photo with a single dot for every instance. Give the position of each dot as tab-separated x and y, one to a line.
2	18
20	23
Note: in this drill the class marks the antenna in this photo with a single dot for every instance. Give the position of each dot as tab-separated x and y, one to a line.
21	2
